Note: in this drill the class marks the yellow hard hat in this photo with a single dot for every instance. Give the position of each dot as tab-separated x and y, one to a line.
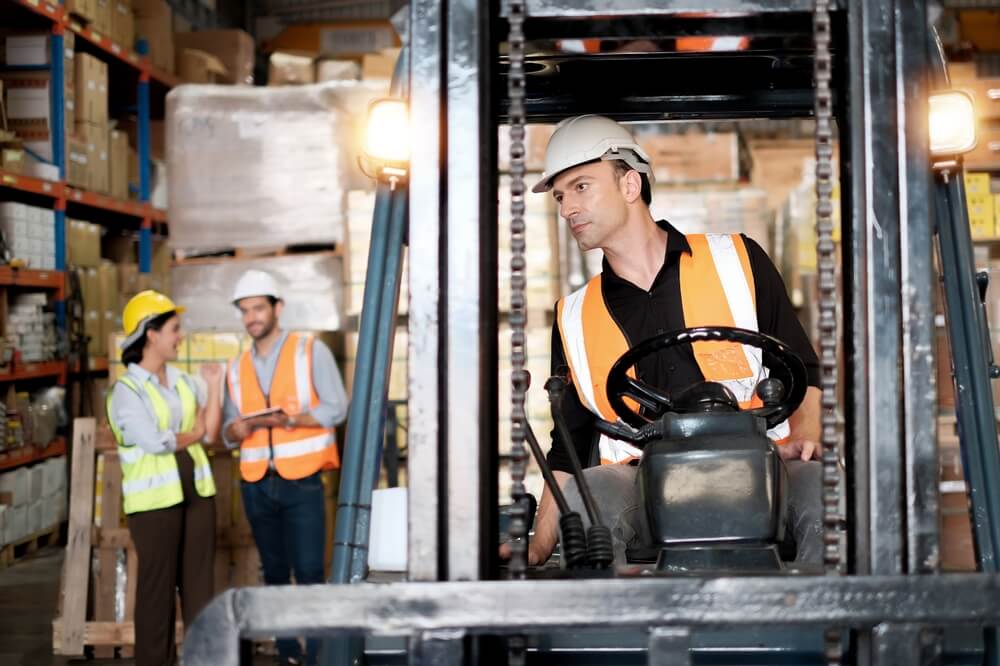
141	309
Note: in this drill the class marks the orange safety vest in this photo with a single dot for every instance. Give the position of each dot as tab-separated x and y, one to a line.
298	452
717	289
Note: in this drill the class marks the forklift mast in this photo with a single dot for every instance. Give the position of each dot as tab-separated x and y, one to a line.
888	602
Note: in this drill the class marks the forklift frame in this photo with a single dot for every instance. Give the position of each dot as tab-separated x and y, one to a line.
886	63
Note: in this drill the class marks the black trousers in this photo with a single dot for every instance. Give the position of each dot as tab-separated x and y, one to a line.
176	549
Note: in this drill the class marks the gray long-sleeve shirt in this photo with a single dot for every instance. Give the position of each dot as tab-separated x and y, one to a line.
135	417
332	407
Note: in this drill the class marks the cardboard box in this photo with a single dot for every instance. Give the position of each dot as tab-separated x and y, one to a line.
290	69
15	483
162	258
77	163
35	512
118	164
337	70
981	215
696	157
122	23
154	23
102	18
15	523
36	481
91	98
234	48
379	66
28	50
83	246
85	9
194	66
108	289
96	138
29	109
976	183
53	476
12	160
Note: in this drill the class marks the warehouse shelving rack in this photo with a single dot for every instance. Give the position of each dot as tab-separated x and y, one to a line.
152	83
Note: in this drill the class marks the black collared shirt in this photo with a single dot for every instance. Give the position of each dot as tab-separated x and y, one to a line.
643	314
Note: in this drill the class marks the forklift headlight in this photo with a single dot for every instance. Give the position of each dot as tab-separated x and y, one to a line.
952	123
387	138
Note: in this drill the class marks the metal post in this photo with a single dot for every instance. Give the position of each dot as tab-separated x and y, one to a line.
145	161
425	345
973	394
919	375
877	329
471	380
373	432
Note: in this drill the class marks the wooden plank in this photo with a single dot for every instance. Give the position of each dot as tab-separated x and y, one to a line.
109	633
105	581
131	581
76	566
222	471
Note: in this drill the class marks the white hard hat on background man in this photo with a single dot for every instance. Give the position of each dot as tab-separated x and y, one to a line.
587	138
255	283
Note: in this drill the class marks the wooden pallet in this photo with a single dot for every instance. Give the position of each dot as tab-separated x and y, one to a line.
29	545
101	536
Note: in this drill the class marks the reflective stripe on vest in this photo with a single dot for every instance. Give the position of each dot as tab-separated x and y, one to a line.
717	289
152	481
295	453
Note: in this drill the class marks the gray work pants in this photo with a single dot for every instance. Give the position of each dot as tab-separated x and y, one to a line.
616	493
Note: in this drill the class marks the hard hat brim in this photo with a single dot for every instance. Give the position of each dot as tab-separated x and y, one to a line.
134	337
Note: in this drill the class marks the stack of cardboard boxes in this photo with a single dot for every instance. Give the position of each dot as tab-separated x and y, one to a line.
31	328
106	283
28	95
30	234
34	499
154	24
91	132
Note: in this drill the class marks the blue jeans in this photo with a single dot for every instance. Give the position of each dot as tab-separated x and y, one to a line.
288	524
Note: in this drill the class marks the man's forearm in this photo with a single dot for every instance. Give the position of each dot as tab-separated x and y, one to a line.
546	534
804	424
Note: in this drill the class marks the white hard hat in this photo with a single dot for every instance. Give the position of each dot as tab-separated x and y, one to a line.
587	138
255	283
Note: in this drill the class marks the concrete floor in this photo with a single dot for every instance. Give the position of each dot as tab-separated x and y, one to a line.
29	592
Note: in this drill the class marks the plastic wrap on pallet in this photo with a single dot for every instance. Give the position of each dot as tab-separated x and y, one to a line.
312	288
259	167
121	581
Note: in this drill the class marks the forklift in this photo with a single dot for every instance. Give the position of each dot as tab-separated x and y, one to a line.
870	72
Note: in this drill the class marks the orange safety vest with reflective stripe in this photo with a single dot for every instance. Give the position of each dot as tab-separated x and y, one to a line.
717	289
298	452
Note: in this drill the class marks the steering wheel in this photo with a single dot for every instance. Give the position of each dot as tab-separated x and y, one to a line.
780	400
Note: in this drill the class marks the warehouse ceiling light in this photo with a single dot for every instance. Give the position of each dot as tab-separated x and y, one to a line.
387	140
952	123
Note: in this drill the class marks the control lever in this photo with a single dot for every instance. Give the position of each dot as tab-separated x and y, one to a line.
627	433
983	282
574	539
600	549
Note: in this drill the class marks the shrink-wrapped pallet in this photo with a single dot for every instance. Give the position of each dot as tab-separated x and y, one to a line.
258	167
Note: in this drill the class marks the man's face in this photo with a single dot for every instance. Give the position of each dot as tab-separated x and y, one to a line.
259	316
591	200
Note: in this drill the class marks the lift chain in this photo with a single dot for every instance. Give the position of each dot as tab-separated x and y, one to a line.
826	257
518	305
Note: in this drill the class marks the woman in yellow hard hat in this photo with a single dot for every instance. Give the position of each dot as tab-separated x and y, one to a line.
160	417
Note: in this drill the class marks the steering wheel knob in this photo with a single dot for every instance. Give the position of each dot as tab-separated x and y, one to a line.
771	391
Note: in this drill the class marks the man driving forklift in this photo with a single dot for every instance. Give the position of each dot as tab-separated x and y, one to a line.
655	280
